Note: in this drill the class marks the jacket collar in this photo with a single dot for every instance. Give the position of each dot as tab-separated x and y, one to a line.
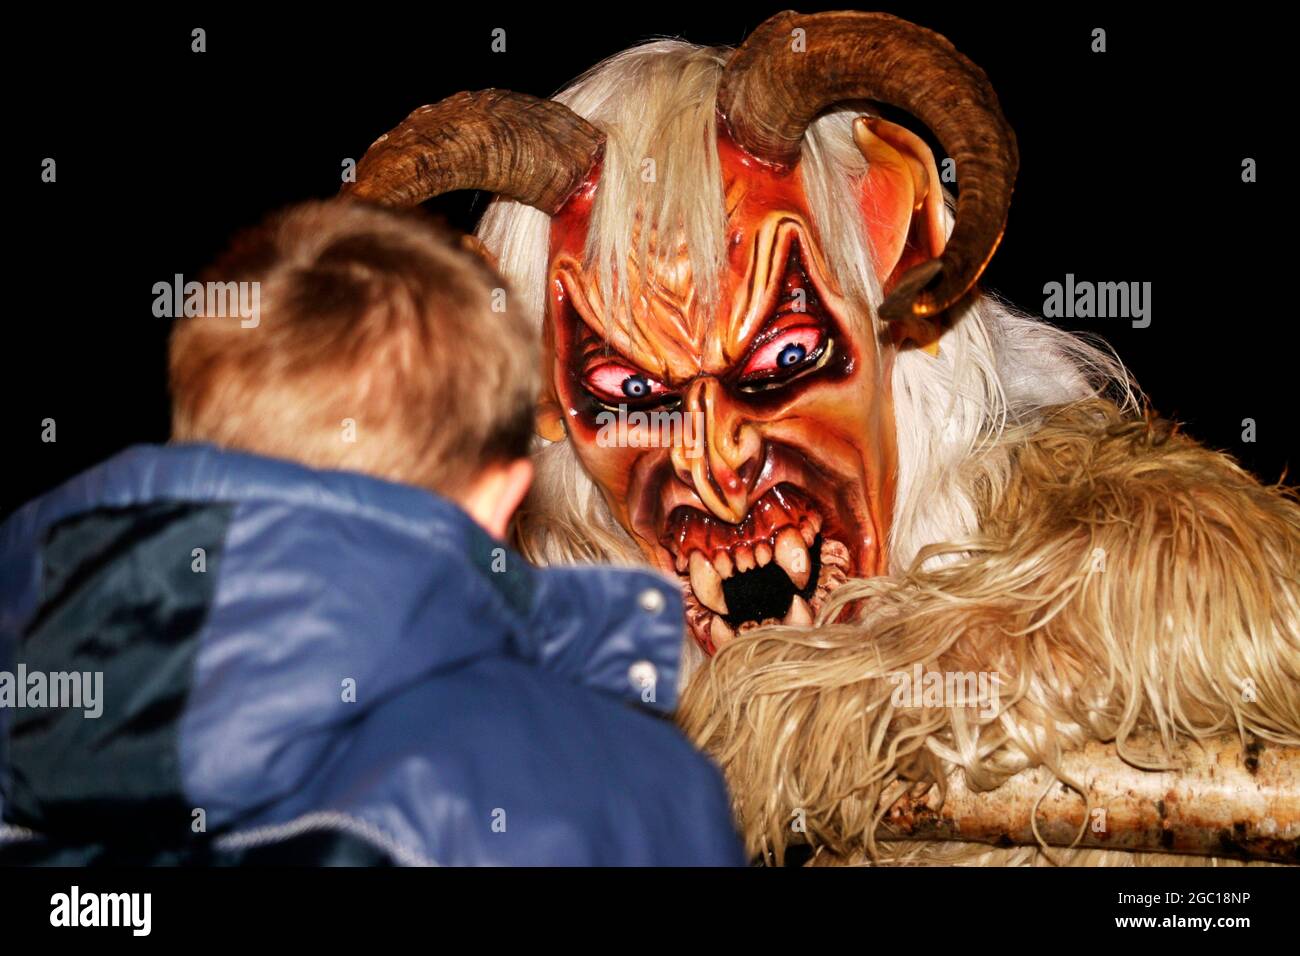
615	629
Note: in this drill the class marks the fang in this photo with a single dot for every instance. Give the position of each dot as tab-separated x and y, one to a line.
792	555
706	583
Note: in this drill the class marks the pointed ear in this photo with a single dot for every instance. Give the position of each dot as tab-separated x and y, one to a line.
902	206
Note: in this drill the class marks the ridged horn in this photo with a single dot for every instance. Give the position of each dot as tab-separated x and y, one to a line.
770	92
531	150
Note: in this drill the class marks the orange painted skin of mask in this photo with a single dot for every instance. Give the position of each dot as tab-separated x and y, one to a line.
828	430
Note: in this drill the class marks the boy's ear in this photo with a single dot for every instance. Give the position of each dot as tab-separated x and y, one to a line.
496	493
549	419
472	243
902	205
549	422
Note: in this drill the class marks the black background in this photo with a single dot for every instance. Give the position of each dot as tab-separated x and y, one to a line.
1130	171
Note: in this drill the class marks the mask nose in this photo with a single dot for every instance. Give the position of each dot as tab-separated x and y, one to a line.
721	450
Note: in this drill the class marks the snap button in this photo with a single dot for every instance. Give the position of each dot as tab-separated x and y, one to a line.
651	601
642	674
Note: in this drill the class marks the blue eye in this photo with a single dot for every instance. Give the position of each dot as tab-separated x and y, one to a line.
792	354
636	386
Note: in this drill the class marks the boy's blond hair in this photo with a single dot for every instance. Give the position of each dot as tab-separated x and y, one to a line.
380	347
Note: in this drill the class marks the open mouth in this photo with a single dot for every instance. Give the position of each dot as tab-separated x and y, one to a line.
776	567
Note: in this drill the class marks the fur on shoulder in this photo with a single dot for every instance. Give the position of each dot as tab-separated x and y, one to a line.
1126	582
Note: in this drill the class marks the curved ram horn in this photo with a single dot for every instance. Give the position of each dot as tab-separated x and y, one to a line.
773	88
531	150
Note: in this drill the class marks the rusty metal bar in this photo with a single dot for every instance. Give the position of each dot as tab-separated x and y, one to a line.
1223	800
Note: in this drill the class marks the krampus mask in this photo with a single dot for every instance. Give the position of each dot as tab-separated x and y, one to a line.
777	482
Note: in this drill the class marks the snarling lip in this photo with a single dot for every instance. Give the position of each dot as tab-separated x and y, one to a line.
775	567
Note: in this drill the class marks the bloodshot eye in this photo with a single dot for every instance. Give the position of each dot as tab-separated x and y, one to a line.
614	383
785	353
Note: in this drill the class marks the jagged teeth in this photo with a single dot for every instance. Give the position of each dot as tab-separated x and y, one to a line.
722	564
800	613
706	583
792	555
720	631
791	551
835	553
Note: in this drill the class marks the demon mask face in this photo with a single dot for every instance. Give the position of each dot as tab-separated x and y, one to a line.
760	469
745	443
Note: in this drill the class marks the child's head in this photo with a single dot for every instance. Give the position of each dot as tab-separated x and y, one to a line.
379	346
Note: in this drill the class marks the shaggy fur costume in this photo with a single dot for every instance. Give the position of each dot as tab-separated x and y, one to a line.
1126	585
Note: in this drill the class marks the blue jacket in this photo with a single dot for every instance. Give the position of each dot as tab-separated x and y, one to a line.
304	666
